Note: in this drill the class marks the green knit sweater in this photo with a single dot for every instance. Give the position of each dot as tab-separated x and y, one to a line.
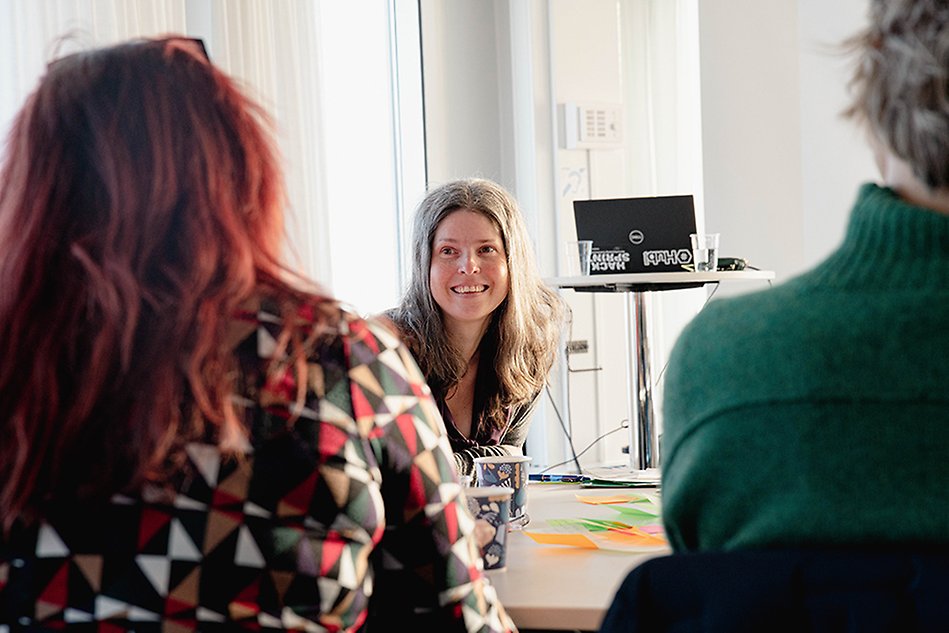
817	412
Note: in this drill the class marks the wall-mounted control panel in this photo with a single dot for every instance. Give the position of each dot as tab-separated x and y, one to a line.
592	125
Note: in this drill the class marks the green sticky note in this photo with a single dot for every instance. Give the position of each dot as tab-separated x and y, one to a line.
629	511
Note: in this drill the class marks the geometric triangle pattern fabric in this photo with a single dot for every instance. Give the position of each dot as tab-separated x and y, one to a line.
294	535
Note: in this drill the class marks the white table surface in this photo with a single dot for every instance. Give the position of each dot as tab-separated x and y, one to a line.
559	587
622	280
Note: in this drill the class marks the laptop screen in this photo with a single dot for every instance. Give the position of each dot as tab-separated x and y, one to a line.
637	235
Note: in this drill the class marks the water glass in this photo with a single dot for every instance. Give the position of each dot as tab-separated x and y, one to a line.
704	251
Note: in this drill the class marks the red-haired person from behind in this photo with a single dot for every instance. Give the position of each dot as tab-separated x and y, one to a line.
194	438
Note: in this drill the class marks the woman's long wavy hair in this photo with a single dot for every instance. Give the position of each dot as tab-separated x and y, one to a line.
141	204
900	87
526	327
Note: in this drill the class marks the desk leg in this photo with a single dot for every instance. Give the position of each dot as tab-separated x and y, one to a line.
643	435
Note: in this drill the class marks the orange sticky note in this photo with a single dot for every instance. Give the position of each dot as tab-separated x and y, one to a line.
598	500
572	540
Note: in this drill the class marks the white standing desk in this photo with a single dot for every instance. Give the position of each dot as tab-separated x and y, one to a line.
644	437
555	586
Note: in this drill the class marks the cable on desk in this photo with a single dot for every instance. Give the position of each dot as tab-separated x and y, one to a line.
623	425
566	432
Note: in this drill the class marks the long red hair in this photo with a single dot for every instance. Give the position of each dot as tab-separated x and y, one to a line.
140	204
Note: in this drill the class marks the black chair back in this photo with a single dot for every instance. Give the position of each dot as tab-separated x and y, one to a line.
773	591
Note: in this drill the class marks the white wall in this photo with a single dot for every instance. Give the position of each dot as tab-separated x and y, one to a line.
461	80
834	155
751	127
586	63
781	167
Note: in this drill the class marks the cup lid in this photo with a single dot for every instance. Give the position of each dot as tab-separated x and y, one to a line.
502	459
489	491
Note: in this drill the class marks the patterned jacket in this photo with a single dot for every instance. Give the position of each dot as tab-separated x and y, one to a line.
345	514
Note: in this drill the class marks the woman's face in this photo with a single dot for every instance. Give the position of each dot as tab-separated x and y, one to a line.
468	272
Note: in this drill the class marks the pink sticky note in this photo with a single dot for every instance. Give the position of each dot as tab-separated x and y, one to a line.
635	536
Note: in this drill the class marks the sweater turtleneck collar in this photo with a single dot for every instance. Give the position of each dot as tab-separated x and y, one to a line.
891	244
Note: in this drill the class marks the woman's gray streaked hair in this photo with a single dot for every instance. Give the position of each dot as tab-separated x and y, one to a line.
528	322
901	83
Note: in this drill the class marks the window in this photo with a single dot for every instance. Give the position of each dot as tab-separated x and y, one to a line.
343	82
373	144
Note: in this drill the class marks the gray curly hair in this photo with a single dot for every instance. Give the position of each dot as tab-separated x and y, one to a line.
901	83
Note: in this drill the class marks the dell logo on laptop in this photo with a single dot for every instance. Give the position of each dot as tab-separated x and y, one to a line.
636	236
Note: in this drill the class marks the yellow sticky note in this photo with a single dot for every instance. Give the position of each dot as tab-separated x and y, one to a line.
599	500
572	540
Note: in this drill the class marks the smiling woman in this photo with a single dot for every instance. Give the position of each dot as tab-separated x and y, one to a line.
479	320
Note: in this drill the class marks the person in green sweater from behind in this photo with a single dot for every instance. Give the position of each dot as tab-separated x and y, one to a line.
817	412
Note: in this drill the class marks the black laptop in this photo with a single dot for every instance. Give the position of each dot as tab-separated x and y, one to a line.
637	235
